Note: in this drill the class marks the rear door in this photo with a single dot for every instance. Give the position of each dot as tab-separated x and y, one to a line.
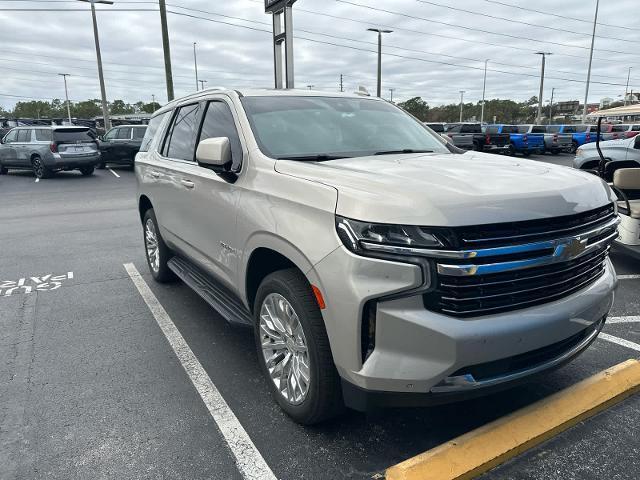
74	142
23	146
122	144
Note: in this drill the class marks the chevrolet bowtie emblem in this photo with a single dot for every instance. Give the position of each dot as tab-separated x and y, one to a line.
572	248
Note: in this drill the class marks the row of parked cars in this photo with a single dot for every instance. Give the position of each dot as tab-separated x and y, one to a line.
528	139
49	149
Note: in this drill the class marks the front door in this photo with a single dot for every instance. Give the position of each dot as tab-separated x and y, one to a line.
8	155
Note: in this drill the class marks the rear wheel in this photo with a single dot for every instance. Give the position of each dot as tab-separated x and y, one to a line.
158	254
574	147
4	170
101	166
512	150
40	170
555	151
293	349
526	153
86	171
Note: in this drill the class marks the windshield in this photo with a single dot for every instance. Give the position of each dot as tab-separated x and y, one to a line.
324	128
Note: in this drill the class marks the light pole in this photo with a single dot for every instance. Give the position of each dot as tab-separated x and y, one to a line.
484	89
391	90
462	92
195	63
544	61
626	90
553	91
103	93
593	40
379	32
202	82
66	94
166	49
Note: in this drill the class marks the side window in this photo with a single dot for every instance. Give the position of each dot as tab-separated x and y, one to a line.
124	133
24	136
152	129
11	136
181	139
138	133
43	135
111	134
492	129
637	143
635	128
218	122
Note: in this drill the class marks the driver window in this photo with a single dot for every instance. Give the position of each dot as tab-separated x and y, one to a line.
637	143
11	136
111	134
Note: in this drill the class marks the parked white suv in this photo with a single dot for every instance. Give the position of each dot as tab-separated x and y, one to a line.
376	264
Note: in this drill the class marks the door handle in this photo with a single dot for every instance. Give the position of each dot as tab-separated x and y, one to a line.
154	174
187	183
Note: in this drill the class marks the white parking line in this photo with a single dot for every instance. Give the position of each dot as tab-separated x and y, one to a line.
628	277
248	459
114	173
37	180
630	319
619	341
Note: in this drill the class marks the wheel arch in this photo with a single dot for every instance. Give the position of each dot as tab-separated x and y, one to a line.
144	204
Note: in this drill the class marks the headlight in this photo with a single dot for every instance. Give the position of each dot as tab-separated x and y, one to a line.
362	237
579	152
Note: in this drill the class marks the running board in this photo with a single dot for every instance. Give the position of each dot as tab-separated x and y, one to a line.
216	295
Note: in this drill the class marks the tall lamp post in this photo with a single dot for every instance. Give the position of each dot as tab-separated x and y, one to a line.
195	63
103	93
484	89
462	92
379	32
544	61
626	90
593	40
66	94
553	91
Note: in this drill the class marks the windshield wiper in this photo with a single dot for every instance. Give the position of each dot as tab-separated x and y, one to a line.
314	158
406	150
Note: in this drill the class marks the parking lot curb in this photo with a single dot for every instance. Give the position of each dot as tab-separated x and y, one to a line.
486	447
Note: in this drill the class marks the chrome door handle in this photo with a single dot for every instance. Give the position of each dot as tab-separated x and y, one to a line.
187	183
154	174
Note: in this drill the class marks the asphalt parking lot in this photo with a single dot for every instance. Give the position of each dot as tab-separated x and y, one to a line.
91	388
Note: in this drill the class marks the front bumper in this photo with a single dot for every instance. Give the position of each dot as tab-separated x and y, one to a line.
416	350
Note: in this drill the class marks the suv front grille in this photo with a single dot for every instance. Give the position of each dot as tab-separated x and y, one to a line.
508	276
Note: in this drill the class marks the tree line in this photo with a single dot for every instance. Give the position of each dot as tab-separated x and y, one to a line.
87	109
504	111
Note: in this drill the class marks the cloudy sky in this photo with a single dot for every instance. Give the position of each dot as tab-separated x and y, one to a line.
437	49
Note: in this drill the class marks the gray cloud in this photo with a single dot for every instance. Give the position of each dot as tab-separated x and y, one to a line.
38	45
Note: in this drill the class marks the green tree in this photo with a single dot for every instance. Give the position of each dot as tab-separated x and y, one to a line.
119	107
150	107
417	107
87	109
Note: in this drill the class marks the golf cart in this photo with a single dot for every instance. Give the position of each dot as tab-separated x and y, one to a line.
625	182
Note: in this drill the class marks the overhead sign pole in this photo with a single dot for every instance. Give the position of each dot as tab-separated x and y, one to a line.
282	39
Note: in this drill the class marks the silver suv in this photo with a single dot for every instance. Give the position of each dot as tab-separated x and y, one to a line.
46	150
376	264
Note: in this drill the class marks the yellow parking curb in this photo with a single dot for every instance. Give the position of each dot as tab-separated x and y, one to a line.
490	445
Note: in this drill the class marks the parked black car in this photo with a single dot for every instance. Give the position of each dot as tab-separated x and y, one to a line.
482	142
120	144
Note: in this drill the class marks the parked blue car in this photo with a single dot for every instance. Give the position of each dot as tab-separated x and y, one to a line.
519	142
581	134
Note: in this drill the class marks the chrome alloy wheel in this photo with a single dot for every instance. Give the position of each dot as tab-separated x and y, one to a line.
284	348
151	245
38	167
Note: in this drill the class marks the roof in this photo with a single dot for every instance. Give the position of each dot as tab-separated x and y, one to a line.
624	111
131	126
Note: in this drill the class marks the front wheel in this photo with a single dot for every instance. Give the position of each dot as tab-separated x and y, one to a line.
101	166
574	147
157	252
526	153
86	171
512	150
293	349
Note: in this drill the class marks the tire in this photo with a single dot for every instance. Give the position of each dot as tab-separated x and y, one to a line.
159	269
323	397
101	166
574	147
477	146
526	153
40	170
87	171
4	170
555	151
512	150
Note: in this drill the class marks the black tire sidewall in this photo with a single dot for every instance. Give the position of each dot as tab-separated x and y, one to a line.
164	273
287	285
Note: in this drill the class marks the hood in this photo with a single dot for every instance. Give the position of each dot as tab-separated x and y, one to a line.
452	189
624	142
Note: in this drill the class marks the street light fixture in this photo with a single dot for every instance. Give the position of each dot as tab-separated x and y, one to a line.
202	82
544	61
103	93
66	94
310	87
379	32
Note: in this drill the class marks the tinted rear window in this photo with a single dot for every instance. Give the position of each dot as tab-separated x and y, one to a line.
553	128
492	129
138	132
471	129
43	135
509	129
525	129
73	135
620	128
436	127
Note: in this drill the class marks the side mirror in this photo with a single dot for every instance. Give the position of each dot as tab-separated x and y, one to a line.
214	153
